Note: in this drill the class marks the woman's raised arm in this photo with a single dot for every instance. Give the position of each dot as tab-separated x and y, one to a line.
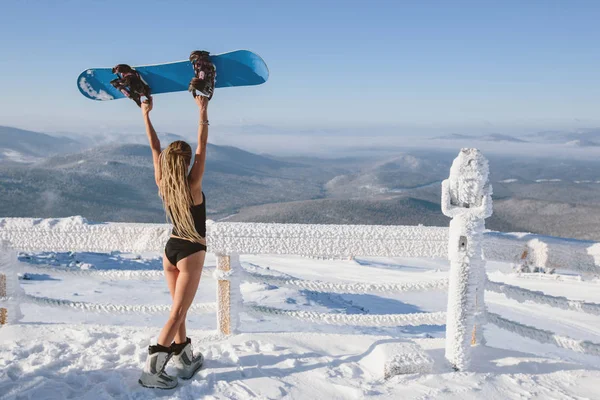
197	171
152	138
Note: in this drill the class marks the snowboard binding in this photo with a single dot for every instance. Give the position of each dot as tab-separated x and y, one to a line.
130	83
205	74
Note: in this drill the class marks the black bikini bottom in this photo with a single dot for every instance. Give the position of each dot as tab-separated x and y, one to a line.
178	249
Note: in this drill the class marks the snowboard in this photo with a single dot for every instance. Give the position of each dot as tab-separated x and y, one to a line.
236	68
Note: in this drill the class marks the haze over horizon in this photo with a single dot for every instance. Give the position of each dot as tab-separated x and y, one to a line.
341	143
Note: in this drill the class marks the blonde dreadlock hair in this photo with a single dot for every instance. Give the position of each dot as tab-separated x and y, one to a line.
174	189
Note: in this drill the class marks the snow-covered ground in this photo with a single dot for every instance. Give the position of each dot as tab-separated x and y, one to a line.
56	353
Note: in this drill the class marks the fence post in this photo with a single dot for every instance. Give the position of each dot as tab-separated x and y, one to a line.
223	295
10	289
229	297
3	311
466	198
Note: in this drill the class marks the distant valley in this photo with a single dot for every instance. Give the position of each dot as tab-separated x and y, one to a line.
46	176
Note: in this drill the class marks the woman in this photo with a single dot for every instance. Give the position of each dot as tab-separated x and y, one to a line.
183	259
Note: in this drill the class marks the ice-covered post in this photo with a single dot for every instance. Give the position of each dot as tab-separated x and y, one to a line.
227	275
3	311
10	289
467	199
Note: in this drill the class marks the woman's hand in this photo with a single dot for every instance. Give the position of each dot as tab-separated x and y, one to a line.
146	106
202	102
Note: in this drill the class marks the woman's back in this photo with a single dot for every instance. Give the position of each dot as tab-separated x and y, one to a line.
198	212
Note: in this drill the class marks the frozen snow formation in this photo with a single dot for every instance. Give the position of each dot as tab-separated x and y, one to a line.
415	319
466	198
468	186
77	234
329	241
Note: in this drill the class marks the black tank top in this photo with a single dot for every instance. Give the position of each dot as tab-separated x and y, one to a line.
199	216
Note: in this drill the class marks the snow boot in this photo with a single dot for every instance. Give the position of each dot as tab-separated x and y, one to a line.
204	74
184	361
154	375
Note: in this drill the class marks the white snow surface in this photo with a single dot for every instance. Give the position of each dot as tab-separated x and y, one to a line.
61	353
308	328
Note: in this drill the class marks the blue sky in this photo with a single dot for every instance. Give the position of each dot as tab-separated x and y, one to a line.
436	66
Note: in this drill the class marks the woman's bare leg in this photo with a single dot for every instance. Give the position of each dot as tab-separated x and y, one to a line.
171	274
190	270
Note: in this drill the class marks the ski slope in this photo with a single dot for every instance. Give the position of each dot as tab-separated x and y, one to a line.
56	353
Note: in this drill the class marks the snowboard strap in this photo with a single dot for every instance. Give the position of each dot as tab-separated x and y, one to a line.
204	74
130	83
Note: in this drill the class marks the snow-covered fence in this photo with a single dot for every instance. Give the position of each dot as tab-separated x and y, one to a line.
319	241
348	288
77	234
546	252
327	241
416	319
197	308
227	240
11	295
120	275
466	197
524	295
543	336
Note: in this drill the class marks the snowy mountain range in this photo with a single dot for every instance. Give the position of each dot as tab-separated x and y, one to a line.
18	145
49	176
